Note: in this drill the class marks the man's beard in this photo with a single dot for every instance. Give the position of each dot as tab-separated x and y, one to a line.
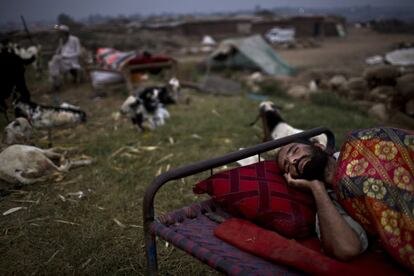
315	168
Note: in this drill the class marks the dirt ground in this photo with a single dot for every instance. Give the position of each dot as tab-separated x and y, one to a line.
347	53
101	233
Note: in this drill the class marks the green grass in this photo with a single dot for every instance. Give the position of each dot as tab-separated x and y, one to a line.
33	241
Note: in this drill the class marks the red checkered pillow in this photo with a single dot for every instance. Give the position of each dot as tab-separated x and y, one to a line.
259	192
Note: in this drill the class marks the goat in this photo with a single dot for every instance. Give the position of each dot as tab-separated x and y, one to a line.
12	69
133	107
49	117
22	164
274	127
144	111
148	105
18	131
30	53
167	94
151	98
174	86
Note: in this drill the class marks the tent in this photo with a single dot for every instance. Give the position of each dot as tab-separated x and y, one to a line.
402	57
250	53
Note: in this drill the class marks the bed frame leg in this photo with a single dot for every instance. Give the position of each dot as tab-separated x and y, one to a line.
151	252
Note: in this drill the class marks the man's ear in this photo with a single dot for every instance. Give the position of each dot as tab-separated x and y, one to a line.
319	145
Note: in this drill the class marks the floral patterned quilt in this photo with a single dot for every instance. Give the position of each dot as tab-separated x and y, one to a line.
374	182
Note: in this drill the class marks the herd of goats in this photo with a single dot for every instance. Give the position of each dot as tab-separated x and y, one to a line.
22	163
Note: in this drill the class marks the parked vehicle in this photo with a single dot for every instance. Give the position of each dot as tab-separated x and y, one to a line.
279	35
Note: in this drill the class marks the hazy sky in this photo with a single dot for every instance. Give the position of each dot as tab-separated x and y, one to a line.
49	9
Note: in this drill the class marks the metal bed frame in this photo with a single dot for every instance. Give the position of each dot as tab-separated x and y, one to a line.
150	223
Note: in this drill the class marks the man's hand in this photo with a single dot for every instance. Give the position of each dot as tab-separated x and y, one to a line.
303	184
343	247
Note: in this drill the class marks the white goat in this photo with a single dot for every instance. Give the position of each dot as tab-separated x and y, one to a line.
275	127
27	164
18	131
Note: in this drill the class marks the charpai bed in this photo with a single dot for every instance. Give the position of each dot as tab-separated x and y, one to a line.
118	67
259	194
191	228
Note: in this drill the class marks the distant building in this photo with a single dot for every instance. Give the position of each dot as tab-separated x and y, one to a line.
217	27
305	26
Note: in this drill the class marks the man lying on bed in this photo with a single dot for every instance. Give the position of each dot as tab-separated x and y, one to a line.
307	166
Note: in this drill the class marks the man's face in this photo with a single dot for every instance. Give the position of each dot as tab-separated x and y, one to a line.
302	161
292	158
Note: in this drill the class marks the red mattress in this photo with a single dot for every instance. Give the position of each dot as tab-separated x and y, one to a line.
304	255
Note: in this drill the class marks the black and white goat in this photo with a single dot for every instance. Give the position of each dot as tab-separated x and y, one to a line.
49	117
148	105
149	112
12	72
29	53
274	127
166	95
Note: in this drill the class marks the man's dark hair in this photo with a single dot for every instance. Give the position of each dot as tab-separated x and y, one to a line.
315	168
